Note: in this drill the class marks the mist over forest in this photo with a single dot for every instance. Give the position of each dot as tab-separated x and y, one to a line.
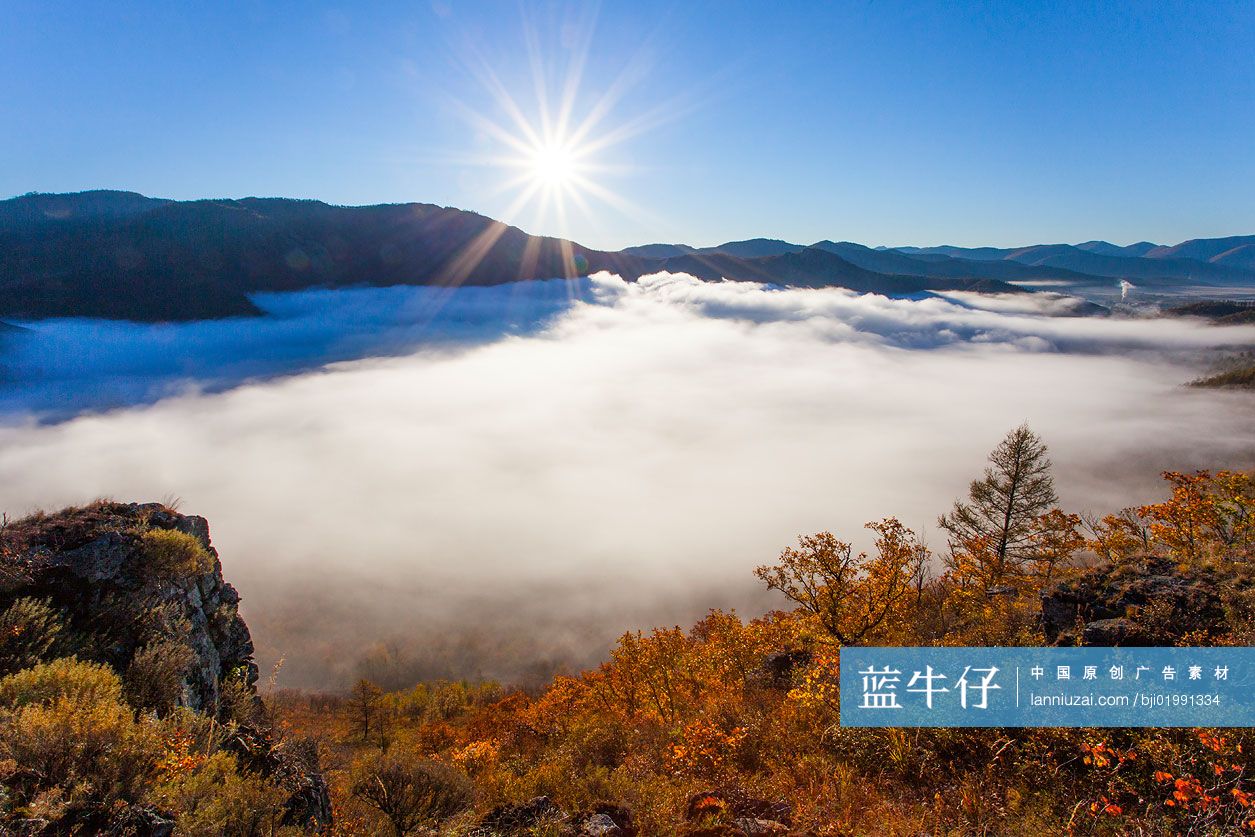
416	482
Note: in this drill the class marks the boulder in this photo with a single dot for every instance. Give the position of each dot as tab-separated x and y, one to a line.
1147	602
600	825
780	667
295	767
1118	631
598	820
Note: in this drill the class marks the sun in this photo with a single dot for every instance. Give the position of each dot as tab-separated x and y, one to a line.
554	165
553	147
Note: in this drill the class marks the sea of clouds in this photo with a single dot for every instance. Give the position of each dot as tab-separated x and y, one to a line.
413	482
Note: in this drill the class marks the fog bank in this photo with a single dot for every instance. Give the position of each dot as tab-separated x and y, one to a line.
504	498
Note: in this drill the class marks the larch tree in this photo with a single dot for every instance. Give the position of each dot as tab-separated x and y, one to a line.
365	707
1000	520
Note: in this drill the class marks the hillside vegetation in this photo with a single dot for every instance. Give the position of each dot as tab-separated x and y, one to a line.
128	701
731	727
127	697
1218	311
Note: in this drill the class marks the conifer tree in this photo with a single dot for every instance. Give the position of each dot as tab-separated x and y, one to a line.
1000	518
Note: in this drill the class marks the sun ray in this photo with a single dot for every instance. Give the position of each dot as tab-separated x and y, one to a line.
554	143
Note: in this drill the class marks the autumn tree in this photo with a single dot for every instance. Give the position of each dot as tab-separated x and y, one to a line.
999	526
731	652
850	595
897	576
551	713
1118	537
365	707
652	673
1208	514
1056	539
1233	495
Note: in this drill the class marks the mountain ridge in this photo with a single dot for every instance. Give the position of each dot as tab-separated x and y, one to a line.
122	255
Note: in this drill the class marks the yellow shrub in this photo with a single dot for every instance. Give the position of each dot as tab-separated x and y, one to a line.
29	631
154	679
173	553
477	756
94	752
46	683
219	799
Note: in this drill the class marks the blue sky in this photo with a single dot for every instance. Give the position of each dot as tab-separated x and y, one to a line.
886	123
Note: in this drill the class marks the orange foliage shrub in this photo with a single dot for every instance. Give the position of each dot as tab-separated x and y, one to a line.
676	723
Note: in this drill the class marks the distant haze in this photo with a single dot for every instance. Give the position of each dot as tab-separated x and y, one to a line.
503	501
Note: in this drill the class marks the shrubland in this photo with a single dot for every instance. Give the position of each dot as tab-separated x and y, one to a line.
728	727
732	725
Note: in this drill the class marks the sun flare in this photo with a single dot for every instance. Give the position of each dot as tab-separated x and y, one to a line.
551	129
554	165
553	143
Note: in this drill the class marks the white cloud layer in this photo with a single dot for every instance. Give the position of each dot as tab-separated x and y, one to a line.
510	502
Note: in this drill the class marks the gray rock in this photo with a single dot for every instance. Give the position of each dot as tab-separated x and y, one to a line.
600	825
1103	632
602	815
142	821
294	766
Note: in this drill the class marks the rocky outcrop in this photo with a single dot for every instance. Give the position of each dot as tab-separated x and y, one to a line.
140	588
93	567
1147	602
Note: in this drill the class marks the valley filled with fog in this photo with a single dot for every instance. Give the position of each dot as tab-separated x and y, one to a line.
494	481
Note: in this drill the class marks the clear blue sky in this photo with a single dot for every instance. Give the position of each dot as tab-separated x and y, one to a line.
887	123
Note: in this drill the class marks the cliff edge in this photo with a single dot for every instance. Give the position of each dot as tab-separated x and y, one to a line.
132	594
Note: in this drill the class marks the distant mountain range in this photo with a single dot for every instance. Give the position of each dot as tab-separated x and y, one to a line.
1205	260
126	256
1198	260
